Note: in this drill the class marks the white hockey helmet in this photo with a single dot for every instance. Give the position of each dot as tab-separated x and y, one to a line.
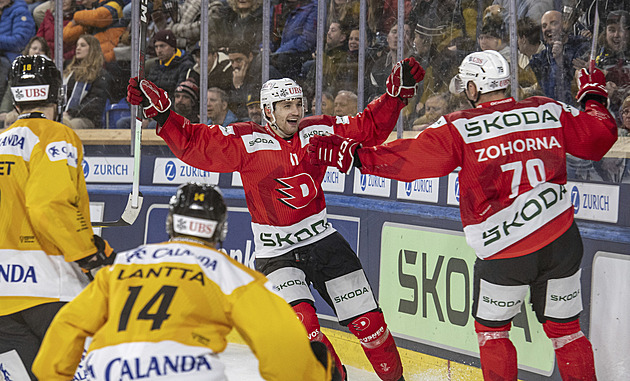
488	69
276	90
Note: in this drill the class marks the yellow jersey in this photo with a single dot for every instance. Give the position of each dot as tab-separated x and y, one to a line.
44	214
165	310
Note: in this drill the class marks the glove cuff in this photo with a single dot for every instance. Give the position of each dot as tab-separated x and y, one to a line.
162	117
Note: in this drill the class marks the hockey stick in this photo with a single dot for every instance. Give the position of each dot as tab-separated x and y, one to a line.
134	202
591	63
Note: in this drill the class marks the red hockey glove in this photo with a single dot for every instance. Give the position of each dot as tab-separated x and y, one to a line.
333	151
146	92
592	85
104	256
404	77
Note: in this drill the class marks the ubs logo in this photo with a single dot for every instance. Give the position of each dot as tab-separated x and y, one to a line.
86	168
170	170
575	199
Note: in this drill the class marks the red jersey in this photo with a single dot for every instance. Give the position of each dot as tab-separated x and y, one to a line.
513	167
282	189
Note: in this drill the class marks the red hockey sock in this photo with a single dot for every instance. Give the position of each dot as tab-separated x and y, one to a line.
306	314
574	353
378	345
497	353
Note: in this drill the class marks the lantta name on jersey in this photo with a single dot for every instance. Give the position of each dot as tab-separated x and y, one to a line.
163	271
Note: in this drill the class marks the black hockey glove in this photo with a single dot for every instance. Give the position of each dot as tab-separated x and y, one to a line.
104	256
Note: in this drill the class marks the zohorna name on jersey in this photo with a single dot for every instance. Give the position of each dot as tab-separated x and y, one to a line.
516	146
110	169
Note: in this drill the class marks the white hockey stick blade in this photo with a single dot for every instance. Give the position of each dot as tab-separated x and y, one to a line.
128	217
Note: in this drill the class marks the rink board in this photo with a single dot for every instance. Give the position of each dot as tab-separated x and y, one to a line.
410	241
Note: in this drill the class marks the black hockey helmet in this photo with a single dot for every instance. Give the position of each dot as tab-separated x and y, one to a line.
197	210
35	80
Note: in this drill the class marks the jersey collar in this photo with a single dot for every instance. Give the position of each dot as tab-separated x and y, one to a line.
496	103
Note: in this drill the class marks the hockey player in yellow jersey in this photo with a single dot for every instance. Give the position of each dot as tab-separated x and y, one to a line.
45	230
163	311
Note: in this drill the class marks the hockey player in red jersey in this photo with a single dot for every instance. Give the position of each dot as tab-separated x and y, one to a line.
516	212
295	246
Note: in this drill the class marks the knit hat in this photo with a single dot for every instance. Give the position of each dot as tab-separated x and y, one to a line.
166	35
190	88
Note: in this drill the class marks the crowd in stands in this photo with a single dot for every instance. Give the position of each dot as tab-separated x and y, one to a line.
552	45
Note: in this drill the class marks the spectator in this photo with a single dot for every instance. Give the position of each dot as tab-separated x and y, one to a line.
528	33
493	34
8	115
345	12
553	66
173	63
299	37
387	13
532	9
16	29
345	103
253	108
554	71
219	68
335	55
187	27
246	21
101	18
435	106
186	100
328	104
383	66
208	293
47	29
218	111
614	57
88	84
436	48
246	75
617	169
